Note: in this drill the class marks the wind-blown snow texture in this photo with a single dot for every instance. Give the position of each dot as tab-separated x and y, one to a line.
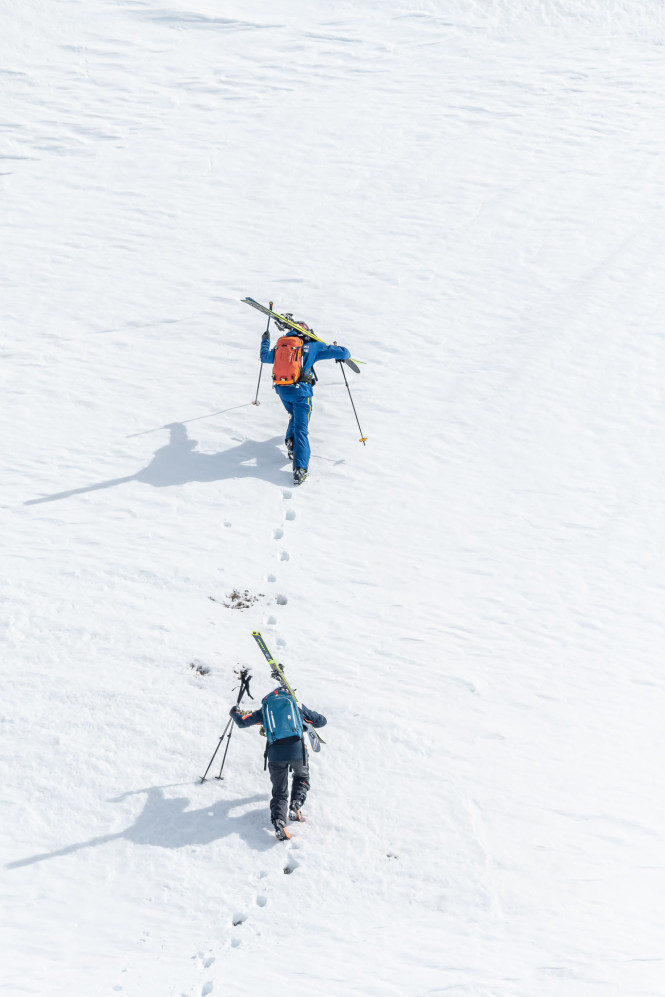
471	197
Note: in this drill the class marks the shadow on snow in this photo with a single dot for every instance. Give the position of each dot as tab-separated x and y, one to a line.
167	823
179	463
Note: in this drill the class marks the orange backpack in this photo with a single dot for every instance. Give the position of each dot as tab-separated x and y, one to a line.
288	360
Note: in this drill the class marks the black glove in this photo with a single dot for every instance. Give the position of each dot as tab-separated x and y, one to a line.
233	711
266	335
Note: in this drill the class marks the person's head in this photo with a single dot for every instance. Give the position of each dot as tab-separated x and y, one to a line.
301	332
305	329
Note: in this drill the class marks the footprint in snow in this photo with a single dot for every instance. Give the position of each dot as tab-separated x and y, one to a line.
207	988
281	600
287	494
239	918
284	556
261	901
290	514
206	961
278	534
271	578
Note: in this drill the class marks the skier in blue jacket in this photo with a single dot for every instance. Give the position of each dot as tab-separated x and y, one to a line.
288	753
297	398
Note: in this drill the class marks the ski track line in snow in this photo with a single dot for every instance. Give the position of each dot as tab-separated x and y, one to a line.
284	864
288	864
278	534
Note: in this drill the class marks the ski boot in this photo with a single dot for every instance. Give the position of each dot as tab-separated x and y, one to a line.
289	447
295	812
299	475
280	829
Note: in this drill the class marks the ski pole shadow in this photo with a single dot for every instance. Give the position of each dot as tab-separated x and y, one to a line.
179	462
167	823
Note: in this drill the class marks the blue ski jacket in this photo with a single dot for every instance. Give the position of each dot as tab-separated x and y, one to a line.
311	352
291	747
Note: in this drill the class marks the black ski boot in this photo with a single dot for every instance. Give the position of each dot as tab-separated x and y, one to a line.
280	829
289	447
294	810
299	475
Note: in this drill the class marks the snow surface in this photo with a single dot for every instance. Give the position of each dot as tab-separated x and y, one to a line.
471	197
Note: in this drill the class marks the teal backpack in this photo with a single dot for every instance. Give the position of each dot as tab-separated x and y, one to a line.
281	716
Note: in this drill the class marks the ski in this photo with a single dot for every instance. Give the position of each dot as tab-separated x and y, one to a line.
277	672
353	364
282	318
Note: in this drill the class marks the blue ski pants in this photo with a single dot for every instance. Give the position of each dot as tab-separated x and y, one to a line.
300	410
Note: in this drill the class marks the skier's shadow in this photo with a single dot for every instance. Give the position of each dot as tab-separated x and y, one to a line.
166	823
180	462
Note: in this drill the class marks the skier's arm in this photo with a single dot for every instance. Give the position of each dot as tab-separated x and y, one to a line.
267	355
322	352
312	718
246	719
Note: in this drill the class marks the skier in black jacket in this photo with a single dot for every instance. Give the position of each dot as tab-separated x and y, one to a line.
289	753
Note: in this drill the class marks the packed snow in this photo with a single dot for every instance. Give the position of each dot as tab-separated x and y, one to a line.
470	196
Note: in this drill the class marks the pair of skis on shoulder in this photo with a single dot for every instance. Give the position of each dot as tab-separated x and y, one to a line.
285	320
277	672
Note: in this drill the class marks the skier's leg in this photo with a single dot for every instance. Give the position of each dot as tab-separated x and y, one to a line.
279	777
302	410
288	435
288	405
300	784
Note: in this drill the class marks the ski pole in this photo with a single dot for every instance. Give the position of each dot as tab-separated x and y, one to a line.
244	688
363	439
258	384
203	777
228	742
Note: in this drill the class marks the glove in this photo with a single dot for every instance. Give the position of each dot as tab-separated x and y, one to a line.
233	711
266	335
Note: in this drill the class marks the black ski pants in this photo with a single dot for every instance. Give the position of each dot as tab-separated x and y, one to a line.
279	777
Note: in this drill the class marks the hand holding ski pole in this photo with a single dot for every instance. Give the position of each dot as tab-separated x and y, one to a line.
266	335
243	688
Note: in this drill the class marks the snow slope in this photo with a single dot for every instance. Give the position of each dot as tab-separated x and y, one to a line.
471	197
